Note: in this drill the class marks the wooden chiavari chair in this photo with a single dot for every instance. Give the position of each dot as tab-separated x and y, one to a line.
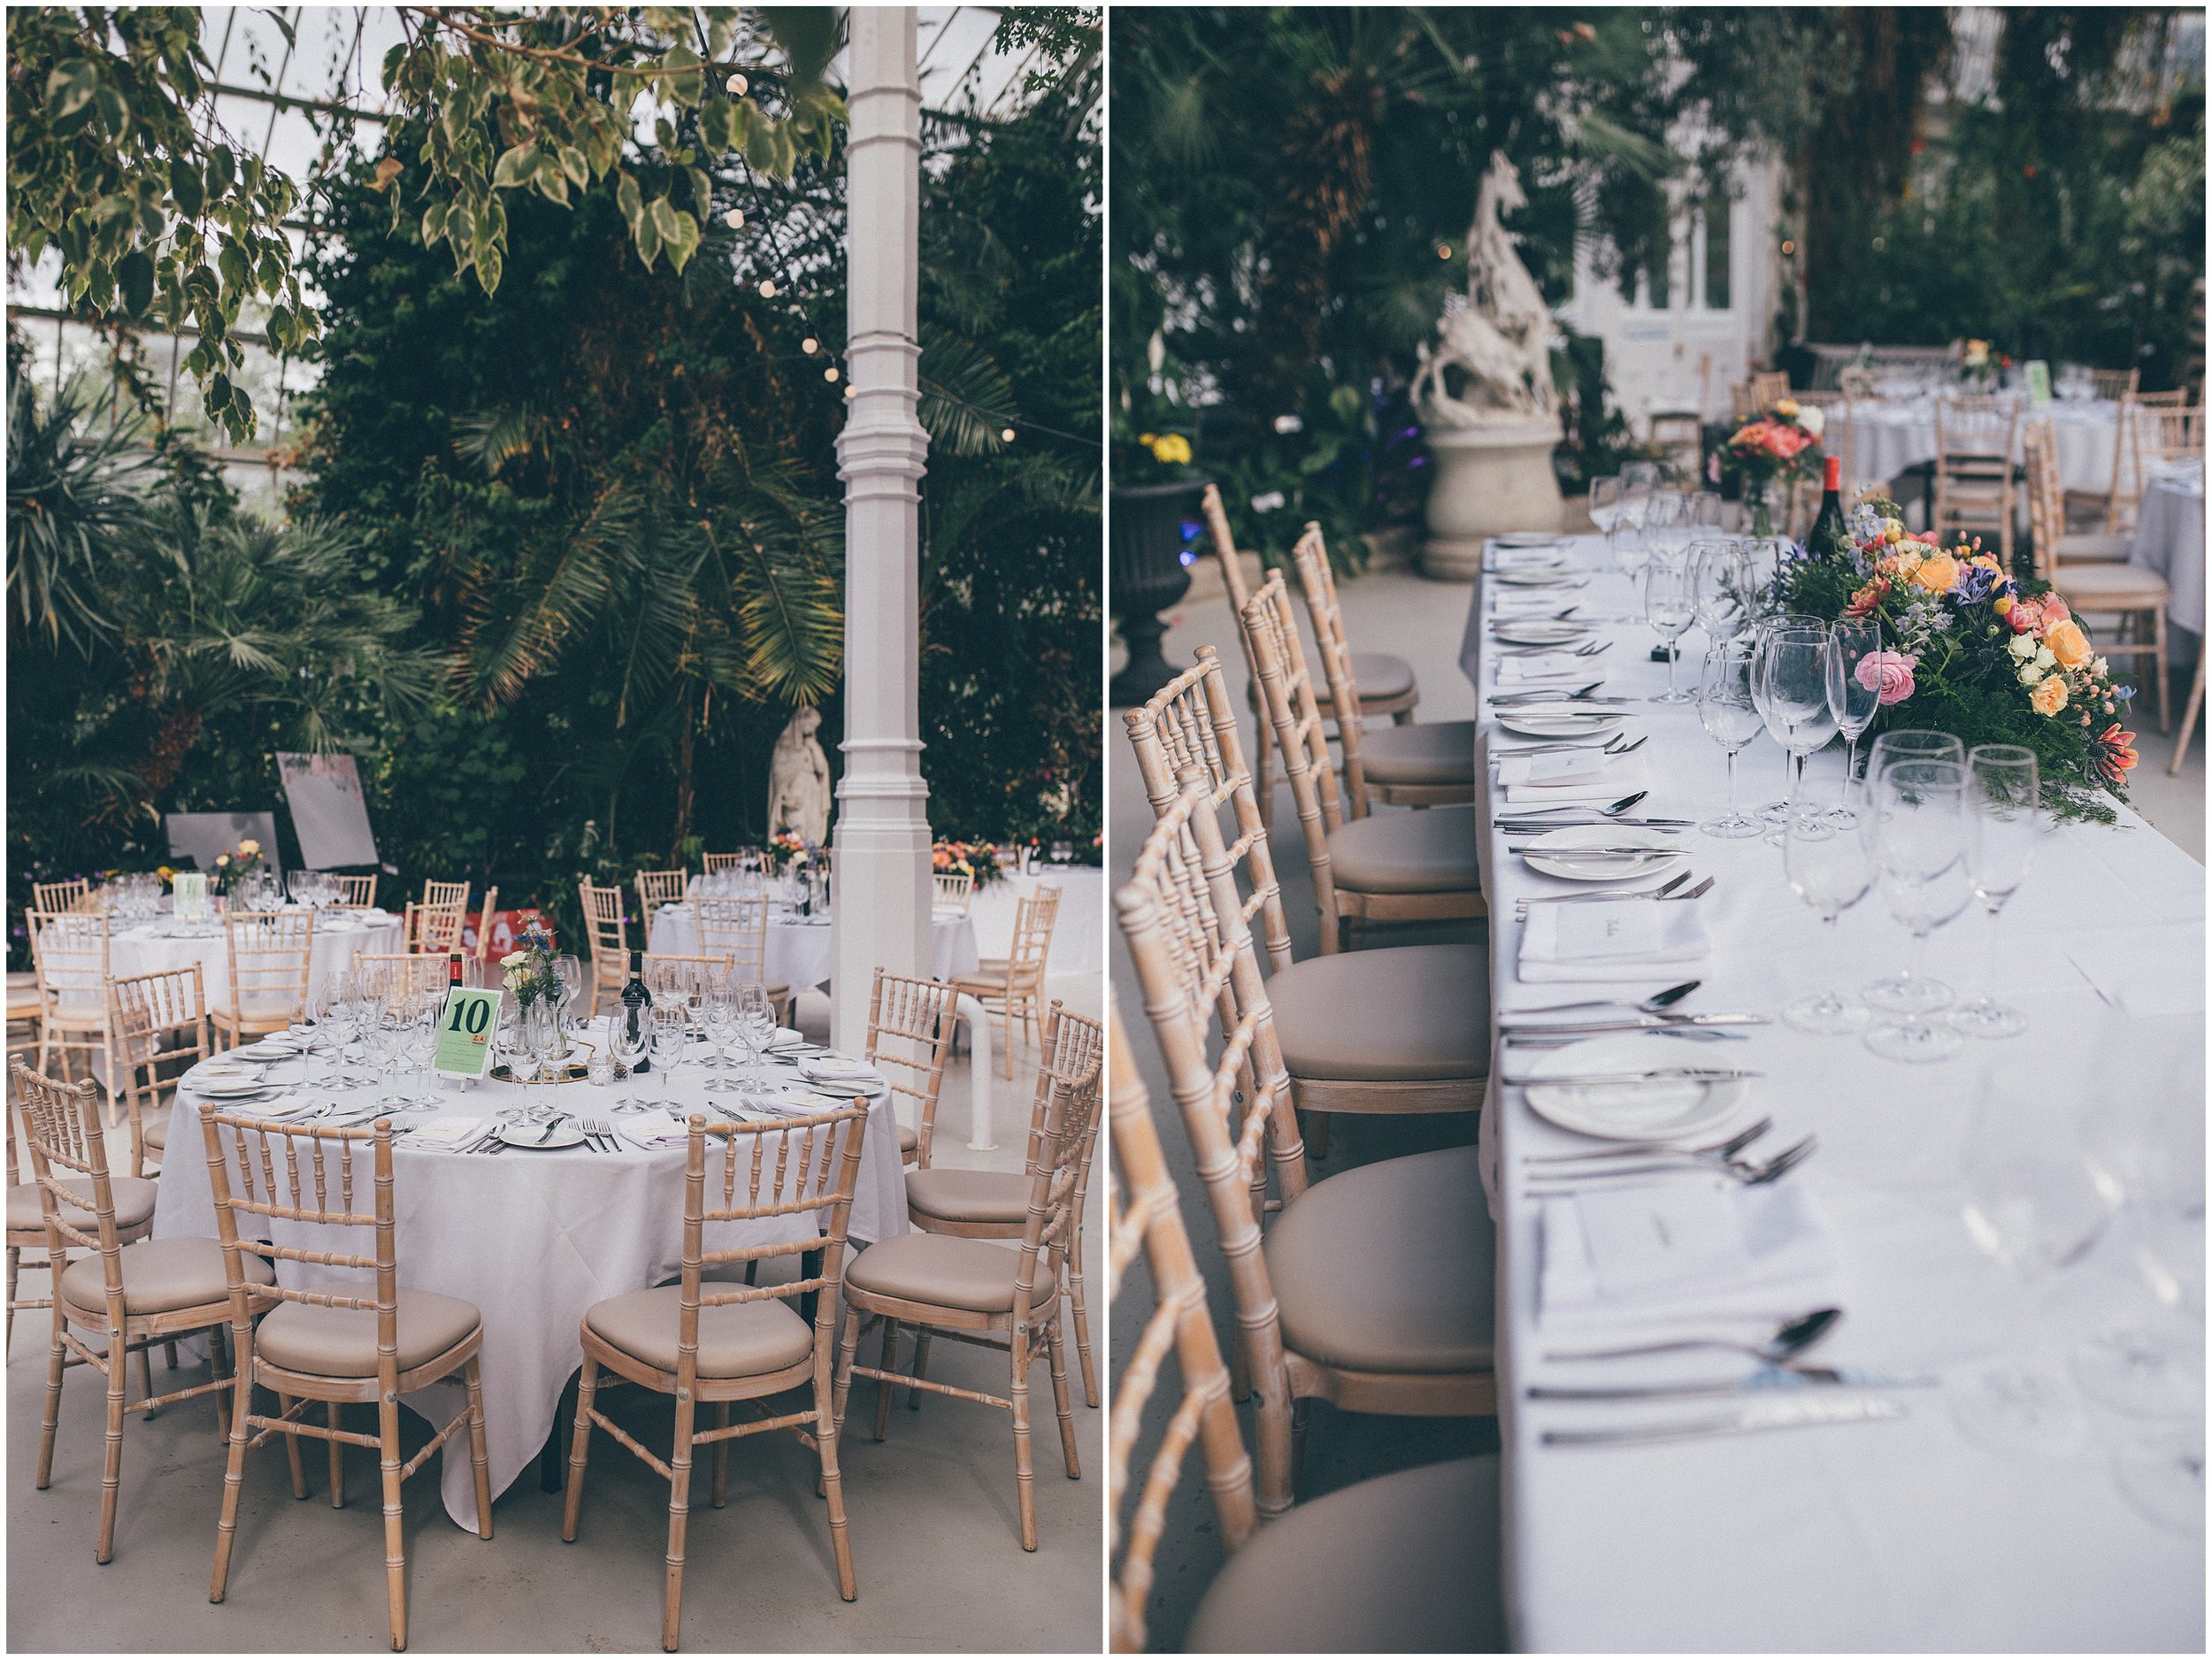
608	930
356	893
126	1300
1398	867
1401	1028
406	973
994	1203
1762	392
1975	441
70	956
2054	544
705	1340
1387	683
697	969
1013	985
910	1025
1373	1290
488	909
2134	597
737	927
60	896
2112	385
1398	1563
272	953
346	1339
27	1218
952	892
974	1291
1405	765
721	862
161	1032
2141	436
656	888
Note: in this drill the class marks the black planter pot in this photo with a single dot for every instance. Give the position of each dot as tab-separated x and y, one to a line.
1147	569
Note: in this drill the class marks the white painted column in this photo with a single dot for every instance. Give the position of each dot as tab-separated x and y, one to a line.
881	903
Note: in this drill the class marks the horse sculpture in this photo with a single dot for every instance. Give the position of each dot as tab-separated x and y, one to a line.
1498	334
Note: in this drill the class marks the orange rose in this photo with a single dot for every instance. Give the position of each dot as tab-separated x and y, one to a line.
1938	573
2068	643
2049	695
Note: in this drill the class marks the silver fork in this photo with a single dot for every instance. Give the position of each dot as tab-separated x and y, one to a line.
1587	648
1744	1171
1698	892
1727	1149
599	1131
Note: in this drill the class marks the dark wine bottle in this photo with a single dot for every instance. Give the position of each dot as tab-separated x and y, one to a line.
452	969
1827	539
636	1002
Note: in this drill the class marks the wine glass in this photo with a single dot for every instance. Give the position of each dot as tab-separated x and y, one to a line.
1730	719
629	1044
2005	820
1670	607
719	1014
541	1030
756	1021
1775	811
1921	869
1828	869
1854	693
1911	743
1721	580
671	1035
1701	511
1605	505
1794	664
1764	555
1639	480
2144	1149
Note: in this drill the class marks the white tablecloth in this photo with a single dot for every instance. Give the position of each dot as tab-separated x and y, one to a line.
149	947
533	1239
2170	539
799	948
1888	435
1078	928
1901	1535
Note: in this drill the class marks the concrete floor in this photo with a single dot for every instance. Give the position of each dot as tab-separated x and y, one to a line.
935	1539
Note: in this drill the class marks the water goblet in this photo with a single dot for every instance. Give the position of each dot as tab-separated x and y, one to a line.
670	1038
628	1045
1725	709
1670	607
1921	869
719	1013
1855	661
2005	820
1605	505
1793	666
757	1022
1775	811
1828	869
1721	582
1912	743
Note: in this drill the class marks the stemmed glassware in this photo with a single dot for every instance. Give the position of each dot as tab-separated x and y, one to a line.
541	1031
1794	669
1605	505
756	1021
1830	870
1911	743
1730	719
1721	580
1854	693
1775	811
1639	482
1670	607
719	1013
628	1046
2004	822
1920	868
671	1035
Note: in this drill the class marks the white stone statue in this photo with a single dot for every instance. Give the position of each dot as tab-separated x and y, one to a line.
799	781
1498	334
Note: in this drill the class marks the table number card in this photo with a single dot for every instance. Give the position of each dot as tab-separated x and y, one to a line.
2038	373
465	1028
1601	931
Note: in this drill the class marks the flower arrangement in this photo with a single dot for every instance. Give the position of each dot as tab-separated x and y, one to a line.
527	970
1783	443
233	867
786	849
1978	363
977	860
1975	652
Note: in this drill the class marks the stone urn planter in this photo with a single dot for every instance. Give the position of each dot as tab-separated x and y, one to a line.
1145	566
1486	480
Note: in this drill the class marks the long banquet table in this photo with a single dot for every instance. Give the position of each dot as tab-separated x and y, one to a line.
1888	1535
531	1238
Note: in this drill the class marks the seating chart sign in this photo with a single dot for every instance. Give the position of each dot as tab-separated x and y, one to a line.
465	1028
328	813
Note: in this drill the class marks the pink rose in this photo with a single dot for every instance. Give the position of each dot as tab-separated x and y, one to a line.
1889	674
2026	616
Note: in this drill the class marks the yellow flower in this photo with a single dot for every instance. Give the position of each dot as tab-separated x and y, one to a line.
250	847
2068	643
1170	450
2002	604
2049	695
1787	406
1938	573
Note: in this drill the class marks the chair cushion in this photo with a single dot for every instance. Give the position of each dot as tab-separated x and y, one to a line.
342	1342
910	1139
969	1196
2111	588
737	1340
1381	678
159	1275
2093	545
1431	851
1404	1011
134	1203
157	1127
1406	1562
1441	752
1390	1267
956	1274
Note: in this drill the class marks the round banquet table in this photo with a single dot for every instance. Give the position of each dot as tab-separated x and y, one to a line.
1888	435
157	944
798	951
532	1239
2170	539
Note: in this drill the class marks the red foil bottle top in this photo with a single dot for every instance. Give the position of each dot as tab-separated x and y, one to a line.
1834	478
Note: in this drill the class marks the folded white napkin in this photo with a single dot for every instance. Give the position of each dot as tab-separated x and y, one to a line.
1623	939
1568	777
831	1070
2144	973
1531	601
1542	671
1680	1258
450	1133
653	1131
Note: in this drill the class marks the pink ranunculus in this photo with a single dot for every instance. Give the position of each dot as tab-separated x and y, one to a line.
2025	617
1888	672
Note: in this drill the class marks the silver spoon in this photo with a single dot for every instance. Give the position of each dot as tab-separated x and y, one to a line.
1613	811
1652	1004
1791	1338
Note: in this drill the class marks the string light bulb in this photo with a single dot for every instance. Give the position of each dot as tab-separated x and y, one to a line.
850	390
809	345
830	374
734	219
1006	435
737	85
767	290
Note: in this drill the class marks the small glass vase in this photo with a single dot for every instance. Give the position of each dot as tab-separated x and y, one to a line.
1757	494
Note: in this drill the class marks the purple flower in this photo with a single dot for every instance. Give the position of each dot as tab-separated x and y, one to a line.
1976	583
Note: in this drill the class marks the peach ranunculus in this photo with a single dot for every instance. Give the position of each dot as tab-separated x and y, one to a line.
1938	573
2068	643
2049	695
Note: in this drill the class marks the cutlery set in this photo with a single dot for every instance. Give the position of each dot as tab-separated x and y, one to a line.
1666	891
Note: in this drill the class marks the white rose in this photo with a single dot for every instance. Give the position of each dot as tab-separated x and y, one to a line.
2103	668
2044	657
2030	673
2022	646
1812	419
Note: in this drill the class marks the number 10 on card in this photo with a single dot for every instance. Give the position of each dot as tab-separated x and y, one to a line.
465	1028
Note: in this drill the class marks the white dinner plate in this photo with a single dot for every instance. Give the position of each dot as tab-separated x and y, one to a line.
225	1089
1564	866
1539	631
1537	576
1655	1111
1526	539
526	1136
1558	720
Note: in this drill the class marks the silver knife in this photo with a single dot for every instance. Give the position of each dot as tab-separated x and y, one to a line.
1764	1415
1656	1074
1765	1381
1650	1023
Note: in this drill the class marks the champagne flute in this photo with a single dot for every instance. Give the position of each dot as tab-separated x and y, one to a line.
1731	719
1670	607
1829	870
1854	693
1921	870
2004	822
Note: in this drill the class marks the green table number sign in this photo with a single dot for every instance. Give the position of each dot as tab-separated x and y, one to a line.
2038	375
466	1026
